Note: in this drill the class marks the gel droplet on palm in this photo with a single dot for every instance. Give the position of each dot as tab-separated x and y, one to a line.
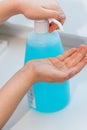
43	96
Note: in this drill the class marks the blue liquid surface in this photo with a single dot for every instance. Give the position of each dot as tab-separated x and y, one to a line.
49	97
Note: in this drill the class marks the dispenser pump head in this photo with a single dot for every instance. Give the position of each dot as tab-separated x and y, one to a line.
41	26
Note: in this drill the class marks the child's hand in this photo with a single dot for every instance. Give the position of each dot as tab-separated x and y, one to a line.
42	9
32	9
61	68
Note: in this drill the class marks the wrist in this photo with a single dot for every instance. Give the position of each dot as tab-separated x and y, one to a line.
12	6
28	73
8	8
16	6
21	6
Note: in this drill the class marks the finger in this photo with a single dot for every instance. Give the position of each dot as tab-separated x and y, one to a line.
52	27
47	13
82	50
66	54
76	57
76	69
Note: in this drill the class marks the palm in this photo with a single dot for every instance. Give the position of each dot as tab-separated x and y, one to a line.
63	67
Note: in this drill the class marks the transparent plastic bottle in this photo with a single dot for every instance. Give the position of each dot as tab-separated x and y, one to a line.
43	96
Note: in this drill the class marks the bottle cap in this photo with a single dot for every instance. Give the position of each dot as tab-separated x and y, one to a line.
41	26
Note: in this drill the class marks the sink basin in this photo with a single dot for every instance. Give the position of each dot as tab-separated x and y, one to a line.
13	59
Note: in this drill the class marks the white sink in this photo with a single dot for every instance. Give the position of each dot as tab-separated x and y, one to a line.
73	117
11	60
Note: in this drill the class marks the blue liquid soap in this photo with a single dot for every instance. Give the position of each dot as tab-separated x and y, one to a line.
43	96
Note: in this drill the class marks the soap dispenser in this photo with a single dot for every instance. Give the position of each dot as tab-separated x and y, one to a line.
46	97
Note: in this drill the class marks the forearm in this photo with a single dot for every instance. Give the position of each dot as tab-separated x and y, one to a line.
8	8
12	93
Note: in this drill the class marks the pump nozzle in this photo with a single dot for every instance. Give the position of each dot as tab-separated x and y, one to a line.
58	24
42	26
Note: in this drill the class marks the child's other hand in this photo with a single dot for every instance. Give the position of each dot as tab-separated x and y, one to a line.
60	68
